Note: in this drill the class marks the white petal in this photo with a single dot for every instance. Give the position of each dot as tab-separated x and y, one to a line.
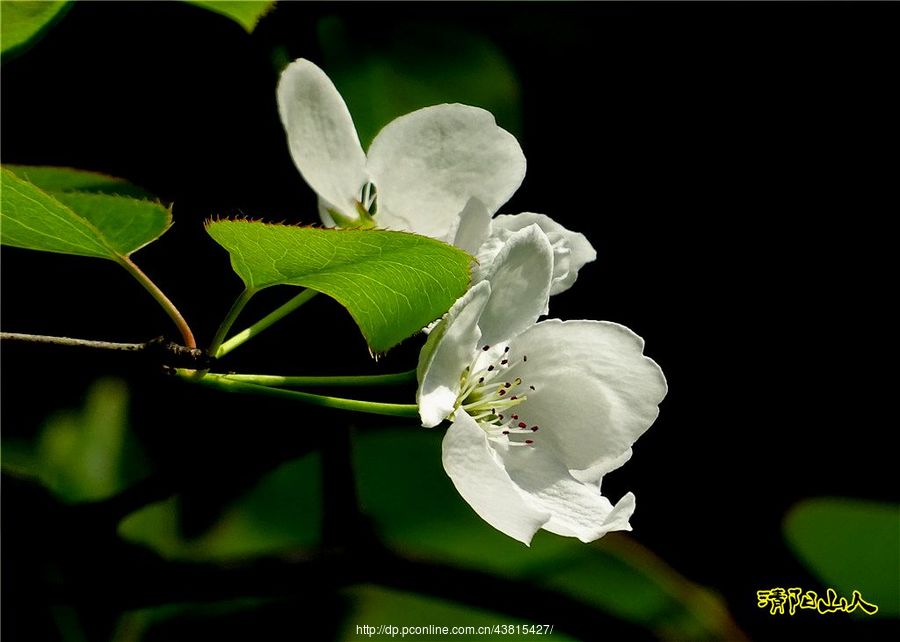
571	250
595	473
577	509
321	135
472	465
520	285
595	393
450	348
473	227
428	164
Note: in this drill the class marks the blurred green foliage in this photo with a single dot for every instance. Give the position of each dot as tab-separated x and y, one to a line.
84	454
281	513
22	23
851	545
385	75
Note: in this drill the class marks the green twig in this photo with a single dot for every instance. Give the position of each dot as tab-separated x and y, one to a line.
270	319
229	320
277	381
222	382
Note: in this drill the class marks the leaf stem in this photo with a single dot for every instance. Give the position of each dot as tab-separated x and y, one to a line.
221	382
270	319
310	381
167	305
228	321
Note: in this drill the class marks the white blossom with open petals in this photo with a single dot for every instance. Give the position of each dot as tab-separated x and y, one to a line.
420	171
540	411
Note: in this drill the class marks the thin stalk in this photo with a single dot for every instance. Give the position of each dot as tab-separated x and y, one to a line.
277	381
70	342
270	319
229	320
372	407
165	352
167	305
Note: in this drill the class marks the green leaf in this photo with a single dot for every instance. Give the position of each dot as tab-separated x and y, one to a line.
20	22
385	75
392	283
246	13
851	545
98	225
66	179
127	224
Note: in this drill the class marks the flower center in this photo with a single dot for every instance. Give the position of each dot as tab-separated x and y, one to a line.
490	398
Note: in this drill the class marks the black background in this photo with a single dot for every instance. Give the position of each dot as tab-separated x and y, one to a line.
730	163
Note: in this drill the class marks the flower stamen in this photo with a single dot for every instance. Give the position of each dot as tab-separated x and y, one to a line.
484	400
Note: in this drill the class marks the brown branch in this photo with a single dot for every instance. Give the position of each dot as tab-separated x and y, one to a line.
162	350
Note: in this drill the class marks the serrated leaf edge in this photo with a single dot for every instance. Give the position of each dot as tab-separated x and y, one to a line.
116	255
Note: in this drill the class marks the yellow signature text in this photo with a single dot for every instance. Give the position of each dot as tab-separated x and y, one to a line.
780	600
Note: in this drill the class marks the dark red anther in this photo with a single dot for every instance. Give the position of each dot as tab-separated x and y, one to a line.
522	424
515	416
500	417
524	357
480	379
532	387
504	362
506	349
505	432
502	392
534	428
490	368
507	385
529	441
514	397
486	348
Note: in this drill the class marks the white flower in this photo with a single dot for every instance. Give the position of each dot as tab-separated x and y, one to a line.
420	171
442	171
540	411
482	236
